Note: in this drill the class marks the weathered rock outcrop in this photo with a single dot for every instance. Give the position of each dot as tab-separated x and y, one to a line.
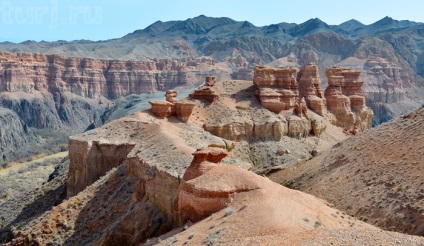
310	88
277	88
181	109
92	159
194	206
222	198
345	99
389	88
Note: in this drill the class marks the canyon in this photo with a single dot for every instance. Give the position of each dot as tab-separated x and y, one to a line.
204	124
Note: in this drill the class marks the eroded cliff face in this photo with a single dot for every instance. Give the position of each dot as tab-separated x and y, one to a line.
93	78
52	91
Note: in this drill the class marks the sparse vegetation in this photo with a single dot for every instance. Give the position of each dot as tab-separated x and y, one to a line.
243	207
211	239
317	224
228	211
242	108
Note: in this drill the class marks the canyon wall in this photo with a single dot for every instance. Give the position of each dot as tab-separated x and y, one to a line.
55	92
92	78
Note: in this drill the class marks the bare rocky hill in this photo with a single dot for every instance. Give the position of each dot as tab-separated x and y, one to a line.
375	176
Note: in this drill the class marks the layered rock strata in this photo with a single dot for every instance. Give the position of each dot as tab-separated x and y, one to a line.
345	99
310	88
279	90
205	91
181	109
92	78
194	207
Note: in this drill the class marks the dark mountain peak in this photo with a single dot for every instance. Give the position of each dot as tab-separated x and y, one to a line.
315	21
351	25
310	26
385	21
352	22
247	24
388	23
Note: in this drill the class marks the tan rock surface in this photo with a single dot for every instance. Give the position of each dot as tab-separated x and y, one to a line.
256	211
375	176
345	99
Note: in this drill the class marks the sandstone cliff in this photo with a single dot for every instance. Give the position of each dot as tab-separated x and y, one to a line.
52	91
93	78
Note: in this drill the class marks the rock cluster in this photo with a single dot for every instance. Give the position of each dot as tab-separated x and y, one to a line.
345	98
279	90
205	91
181	109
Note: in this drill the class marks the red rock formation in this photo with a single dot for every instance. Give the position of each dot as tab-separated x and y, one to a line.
181	109
300	108
204	92
345	99
277	88
161	108
310	88
92	78
194	206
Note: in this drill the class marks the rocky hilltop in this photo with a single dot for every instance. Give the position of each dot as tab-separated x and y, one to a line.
376	175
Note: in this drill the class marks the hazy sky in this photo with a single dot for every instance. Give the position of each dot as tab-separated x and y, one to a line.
51	20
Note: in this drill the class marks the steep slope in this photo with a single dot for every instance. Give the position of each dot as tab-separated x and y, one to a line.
15	136
375	176
276	215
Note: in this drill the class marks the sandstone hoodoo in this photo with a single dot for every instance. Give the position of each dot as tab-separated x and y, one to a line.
310	88
205	91
181	109
279	90
345	99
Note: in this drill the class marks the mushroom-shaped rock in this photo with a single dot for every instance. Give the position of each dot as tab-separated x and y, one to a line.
194	202
161	108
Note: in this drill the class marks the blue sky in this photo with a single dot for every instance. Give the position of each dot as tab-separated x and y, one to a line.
51	20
